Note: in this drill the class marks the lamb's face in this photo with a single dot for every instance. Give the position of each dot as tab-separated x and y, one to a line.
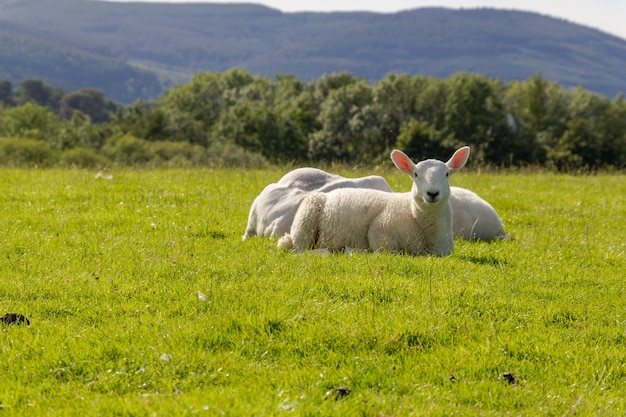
431	184
430	177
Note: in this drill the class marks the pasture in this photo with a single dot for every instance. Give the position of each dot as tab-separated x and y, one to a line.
143	301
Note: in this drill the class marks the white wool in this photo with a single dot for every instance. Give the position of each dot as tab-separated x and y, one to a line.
273	210
418	222
474	218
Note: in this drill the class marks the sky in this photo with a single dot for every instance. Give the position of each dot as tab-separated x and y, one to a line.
606	15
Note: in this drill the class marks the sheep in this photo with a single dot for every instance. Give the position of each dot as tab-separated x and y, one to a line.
272	211
417	222
473	218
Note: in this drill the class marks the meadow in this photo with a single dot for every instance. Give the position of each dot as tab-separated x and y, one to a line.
143	300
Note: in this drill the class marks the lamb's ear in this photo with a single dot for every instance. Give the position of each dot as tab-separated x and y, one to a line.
403	162
459	159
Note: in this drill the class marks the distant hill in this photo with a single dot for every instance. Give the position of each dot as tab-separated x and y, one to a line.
24	56
137	50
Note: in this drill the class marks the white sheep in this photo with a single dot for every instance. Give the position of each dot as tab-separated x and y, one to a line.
474	218
273	209
417	222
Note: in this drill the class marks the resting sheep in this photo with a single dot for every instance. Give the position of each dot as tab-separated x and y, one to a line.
417	222
473	218
273	210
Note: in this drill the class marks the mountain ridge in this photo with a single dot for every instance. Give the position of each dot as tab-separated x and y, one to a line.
138	50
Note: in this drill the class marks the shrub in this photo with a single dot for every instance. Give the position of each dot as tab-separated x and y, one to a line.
176	153
127	150
83	158
30	121
20	152
230	155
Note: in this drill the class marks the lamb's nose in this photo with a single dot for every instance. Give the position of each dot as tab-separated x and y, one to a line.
432	194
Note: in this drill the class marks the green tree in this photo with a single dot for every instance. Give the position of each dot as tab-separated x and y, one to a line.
6	94
583	140
37	92
80	132
538	111
430	96
613	126
295	102
194	108
145	120
345	127
421	140
90	102
327	83
475	116
393	105
31	121
258	128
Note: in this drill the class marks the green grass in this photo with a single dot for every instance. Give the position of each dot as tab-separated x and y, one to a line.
108	272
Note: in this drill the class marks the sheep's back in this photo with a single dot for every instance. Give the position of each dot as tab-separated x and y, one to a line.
352	215
273	210
473	217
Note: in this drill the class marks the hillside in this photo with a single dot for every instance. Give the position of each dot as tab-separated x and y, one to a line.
23	57
136	50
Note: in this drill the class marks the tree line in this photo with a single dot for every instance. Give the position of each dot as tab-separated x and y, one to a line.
236	118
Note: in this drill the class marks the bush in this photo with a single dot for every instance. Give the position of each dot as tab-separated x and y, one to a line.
20	152
30	121
83	158
229	155
127	150
177	154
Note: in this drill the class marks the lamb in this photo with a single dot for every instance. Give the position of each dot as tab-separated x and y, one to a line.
272	211
418	222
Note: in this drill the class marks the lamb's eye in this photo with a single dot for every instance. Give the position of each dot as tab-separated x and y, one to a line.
447	174
415	174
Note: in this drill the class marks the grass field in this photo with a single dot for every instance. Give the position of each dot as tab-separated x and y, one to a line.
143	301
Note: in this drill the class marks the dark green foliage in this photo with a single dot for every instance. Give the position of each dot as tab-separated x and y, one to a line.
475	115
422	138
80	131
90	102
6	93
259	129
144	120
237	119
345	124
37	92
